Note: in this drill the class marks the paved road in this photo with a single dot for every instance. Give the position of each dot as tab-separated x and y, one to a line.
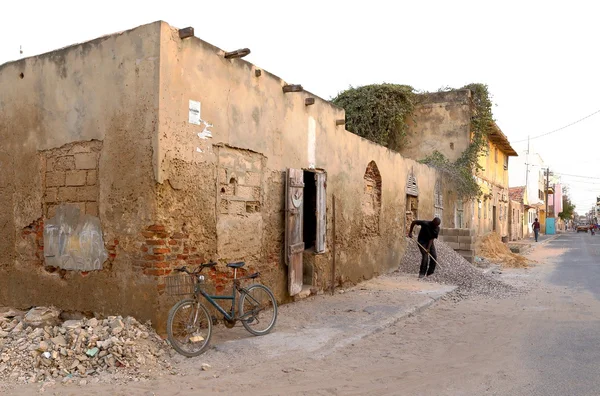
565	350
544	342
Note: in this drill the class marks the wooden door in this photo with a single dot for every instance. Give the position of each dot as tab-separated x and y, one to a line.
294	244
321	180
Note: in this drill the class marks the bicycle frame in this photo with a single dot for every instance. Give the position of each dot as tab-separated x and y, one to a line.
235	289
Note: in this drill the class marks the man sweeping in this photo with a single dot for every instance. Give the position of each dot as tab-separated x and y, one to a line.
429	231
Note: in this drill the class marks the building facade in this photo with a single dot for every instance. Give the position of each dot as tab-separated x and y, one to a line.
442	122
146	150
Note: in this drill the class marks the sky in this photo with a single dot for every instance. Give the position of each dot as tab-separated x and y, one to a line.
540	59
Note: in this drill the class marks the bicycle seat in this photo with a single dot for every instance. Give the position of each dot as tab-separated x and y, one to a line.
239	264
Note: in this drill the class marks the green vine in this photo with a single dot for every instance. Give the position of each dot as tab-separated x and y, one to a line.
378	112
462	170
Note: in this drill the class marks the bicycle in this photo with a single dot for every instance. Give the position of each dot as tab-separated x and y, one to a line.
189	325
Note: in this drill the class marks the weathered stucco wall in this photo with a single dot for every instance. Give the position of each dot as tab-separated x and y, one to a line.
105	126
233	181
440	122
78	126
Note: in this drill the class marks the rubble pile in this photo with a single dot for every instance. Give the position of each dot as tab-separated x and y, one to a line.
455	270
492	248
35	346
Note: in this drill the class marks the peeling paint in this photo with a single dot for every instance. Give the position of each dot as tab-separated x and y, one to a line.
73	241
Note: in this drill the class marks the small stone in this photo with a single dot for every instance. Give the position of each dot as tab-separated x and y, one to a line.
43	346
72	324
83	383
117	330
59	340
205	366
92	352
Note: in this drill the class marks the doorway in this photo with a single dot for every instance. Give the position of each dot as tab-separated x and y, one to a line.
310	210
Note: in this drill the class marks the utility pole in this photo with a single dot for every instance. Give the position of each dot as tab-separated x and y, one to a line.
527	167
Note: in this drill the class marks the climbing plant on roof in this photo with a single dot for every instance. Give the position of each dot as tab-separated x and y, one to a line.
462	171
378	112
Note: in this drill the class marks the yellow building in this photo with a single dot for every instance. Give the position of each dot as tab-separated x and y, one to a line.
442	122
491	210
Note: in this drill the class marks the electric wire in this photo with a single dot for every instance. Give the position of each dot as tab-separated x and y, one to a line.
557	130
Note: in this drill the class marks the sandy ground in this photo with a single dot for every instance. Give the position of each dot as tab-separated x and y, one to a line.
470	347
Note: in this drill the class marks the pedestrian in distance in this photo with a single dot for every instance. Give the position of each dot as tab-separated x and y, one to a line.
536	229
429	231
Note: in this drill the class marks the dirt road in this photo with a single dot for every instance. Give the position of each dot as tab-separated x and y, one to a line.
471	347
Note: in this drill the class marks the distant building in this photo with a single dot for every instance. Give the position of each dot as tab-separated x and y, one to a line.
442	122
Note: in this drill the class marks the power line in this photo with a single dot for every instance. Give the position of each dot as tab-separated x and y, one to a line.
583	177
559	129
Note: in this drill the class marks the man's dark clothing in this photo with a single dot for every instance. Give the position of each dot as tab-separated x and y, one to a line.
424	270
536	230
428	232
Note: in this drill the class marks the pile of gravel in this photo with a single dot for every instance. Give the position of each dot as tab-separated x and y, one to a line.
37	346
455	270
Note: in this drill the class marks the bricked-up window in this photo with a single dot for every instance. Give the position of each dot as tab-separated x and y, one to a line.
371	200
71	176
72	233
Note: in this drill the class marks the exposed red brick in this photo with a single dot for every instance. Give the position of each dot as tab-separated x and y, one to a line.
162	235
156	242
162	265
182	256
161	250
173	242
84	273
116	242
144	248
180	235
156	227
148	234
151	257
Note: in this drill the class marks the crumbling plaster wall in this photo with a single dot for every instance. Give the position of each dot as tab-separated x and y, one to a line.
105	91
246	111
440	122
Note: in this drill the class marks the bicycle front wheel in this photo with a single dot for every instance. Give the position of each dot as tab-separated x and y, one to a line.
189	327
258	309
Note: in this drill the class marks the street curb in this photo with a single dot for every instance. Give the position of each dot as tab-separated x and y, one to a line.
415	310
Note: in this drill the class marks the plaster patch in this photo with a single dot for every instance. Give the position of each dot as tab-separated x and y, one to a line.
73	241
205	134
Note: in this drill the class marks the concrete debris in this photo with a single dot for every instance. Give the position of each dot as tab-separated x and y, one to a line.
41	317
455	270
35	348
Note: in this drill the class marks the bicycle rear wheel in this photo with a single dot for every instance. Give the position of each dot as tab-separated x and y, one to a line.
189	327
258	309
